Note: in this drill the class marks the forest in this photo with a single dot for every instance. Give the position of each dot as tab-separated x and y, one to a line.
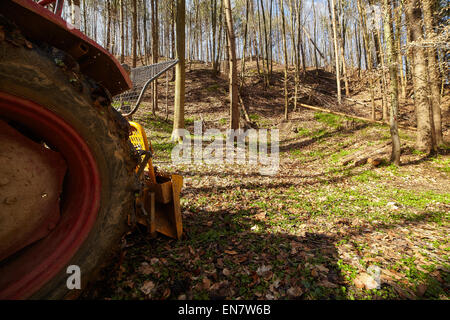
358	91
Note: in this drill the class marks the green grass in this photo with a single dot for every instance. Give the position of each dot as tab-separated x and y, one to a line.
163	146
366	176
319	134
443	164
335	157
303	132
118	104
418	152
445	169
189	121
155	123
329	119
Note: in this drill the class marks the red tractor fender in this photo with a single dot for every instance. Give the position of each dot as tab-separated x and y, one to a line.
41	25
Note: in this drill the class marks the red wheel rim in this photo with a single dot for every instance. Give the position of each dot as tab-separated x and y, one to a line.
29	270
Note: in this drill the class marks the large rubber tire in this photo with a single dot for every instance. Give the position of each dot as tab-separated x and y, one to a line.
50	78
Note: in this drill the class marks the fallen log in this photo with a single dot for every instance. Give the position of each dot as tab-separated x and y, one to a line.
356	101
362	156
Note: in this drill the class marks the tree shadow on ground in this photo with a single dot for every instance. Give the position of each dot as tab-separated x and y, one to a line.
287	145
309	180
237	262
229	255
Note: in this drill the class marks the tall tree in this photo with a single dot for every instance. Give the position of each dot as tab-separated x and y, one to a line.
433	71
393	70
172	33
424	139
247	3
283	27
398	31
213	31
108	25
144	27
234	108
368	49
122	33
336	50
341	37
178	121
266	45
134	33
155	53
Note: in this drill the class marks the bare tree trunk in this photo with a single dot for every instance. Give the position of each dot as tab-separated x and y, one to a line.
234	108
122	35
255	42
266	45
108	25
283	28
270	39
294	9
245	44
316	62
358	51
336	51
134	34
213	31
144	27
114	27
383	83
178	121
398	22
433	71
261	45
155	53
219	49
393	70
419	74
300	51
342	53
367	47
84	18
172	34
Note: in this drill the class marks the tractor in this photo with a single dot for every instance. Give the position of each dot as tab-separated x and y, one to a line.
75	173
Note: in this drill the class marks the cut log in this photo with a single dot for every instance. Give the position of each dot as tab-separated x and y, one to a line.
362	156
375	162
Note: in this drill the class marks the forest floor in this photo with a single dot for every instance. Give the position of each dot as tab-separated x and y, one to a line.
315	230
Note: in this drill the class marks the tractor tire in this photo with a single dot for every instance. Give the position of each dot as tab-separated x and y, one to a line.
50	79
